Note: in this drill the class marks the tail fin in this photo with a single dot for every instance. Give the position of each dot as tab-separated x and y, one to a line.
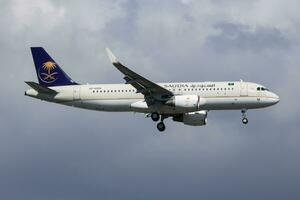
48	71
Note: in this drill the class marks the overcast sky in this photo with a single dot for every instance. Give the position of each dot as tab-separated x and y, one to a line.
49	151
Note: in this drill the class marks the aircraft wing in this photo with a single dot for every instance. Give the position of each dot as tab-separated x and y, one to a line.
143	85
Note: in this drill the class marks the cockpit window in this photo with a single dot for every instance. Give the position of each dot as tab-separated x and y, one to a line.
262	89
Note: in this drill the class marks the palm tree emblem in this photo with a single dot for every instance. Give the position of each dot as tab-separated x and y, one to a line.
48	67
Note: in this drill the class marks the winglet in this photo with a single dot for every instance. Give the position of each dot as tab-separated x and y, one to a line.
111	56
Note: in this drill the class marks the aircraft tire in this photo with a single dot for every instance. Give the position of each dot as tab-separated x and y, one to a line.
155	116
161	126
245	120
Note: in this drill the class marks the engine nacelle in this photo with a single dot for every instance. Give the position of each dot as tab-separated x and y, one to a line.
186	102
198	118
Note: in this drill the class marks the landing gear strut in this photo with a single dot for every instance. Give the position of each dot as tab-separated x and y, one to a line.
245	119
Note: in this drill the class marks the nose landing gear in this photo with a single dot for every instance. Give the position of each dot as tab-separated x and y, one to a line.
245	119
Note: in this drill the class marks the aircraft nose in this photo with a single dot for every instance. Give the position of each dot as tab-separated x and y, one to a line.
276	98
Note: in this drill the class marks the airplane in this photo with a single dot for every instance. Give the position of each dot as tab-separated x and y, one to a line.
185	102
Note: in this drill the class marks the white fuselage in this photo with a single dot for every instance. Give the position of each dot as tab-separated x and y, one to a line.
124	98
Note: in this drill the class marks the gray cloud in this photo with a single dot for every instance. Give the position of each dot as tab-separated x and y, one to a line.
241	38
49	151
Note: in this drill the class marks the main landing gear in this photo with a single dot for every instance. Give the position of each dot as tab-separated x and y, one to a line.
161	125
245	119
155	116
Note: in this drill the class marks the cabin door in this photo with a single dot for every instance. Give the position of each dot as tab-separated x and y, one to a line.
244	89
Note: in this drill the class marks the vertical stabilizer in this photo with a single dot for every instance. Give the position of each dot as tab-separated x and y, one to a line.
48	71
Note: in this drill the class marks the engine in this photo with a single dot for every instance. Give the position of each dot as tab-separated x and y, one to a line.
198	118
186	102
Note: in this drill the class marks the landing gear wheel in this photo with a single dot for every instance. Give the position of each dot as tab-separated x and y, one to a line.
245	120
155	116
161	126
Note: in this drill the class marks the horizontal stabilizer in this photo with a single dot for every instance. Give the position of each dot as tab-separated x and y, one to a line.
41	89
